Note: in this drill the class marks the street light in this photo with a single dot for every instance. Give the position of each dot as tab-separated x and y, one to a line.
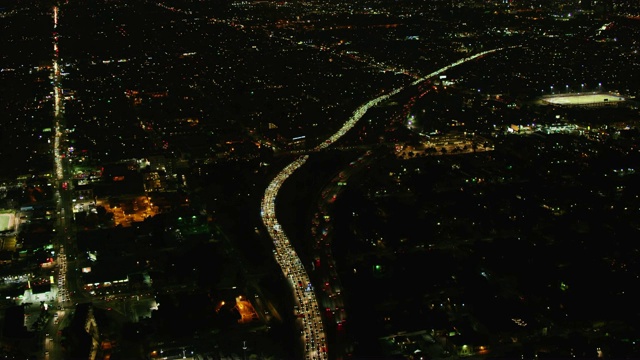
244	349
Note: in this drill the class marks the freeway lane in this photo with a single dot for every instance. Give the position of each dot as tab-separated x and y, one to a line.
313	333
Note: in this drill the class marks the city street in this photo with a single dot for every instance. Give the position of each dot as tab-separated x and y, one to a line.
66	279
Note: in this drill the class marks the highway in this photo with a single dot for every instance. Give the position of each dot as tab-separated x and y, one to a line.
313	333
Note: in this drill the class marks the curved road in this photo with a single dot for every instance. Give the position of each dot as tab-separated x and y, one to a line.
313	334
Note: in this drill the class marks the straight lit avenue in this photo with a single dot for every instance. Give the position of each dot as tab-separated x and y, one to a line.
52	343
313	332
58	159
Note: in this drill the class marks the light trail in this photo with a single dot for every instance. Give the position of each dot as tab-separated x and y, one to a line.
285	254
